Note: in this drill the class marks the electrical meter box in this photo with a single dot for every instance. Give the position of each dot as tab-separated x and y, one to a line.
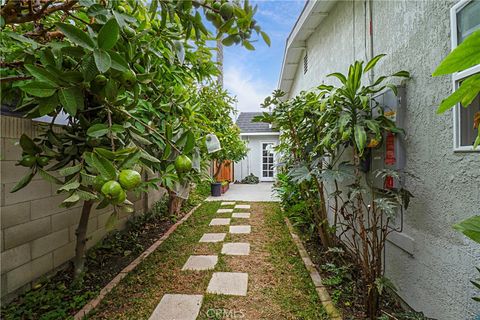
391	153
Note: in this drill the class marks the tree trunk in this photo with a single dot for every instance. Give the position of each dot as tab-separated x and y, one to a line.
174	203
372	303
81	233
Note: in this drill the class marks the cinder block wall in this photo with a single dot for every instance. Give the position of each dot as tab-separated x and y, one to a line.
37	236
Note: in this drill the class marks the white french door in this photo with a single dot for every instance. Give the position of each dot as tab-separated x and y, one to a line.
268	159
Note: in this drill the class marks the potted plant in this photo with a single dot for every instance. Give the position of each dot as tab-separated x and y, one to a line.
225	186
215	188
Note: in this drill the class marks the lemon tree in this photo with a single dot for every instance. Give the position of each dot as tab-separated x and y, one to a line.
117	72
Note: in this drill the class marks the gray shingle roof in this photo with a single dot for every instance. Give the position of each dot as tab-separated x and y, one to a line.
244	122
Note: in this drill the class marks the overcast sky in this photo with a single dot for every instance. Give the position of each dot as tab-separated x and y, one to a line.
253	75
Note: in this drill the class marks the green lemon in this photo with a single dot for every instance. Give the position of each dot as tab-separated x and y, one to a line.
112	189
129	32
121	198
98	182
183	164
28	161
43	161
100	81
210	15
216	5
129	179
128	78
226	11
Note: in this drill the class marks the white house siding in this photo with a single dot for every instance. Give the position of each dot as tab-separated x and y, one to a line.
434	276
252	163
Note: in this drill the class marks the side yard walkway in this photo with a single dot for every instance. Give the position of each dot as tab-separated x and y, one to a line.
228	260
259	192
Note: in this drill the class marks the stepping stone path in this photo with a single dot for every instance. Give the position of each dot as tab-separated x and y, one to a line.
242	206
187	307
220	222
224	210
198	263
236	249
229	283
244	215
213	237
178	306
240	229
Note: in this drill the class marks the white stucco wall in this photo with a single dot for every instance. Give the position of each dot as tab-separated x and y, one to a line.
434	276
252	163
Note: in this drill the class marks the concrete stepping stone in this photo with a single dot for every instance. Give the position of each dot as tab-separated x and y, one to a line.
240	229
213	237
198	263
224	210
242	206
244	215
227	203
229	283
236	249
178	306
220	222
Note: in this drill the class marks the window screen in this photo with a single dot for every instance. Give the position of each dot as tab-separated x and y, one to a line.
468	20
468	133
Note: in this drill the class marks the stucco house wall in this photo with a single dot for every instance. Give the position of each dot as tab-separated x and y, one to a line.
37	236
430	263
252	163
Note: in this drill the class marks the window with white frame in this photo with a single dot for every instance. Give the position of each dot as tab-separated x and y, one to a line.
465	19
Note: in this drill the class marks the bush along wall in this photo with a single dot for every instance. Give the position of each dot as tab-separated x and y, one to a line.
326	138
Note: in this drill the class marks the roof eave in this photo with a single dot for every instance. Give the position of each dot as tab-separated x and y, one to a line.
310	18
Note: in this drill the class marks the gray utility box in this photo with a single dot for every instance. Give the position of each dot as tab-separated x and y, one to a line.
391	153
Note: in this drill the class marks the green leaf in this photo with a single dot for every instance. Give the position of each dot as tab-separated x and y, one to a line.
104	166
190	142
466	55
69	186
470	228
370	64
97	130
403	73
28	145
23	182
89	69
339	76
469	88
360	138
47	176
118	63
72	199
71	99
19	37
102	60
85	195
43	75
76	35
110	224
70	170
130	160
39	88
108	35
266	38
180	50
146	156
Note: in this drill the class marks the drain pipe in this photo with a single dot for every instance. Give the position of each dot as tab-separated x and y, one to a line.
370	33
